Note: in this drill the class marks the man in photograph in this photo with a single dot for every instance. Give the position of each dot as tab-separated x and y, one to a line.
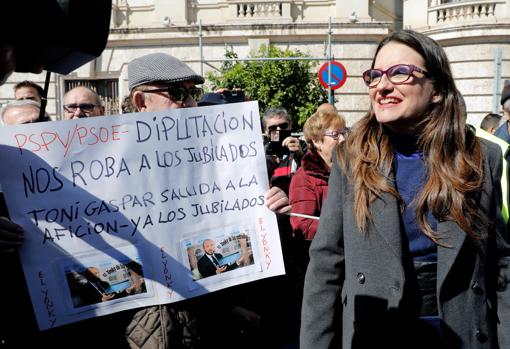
95	290
210	263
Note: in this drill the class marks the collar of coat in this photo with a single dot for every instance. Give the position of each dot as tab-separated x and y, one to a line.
314	165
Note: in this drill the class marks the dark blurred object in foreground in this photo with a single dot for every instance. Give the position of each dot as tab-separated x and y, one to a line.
53	35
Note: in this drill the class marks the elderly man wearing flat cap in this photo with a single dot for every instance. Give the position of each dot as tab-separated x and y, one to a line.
159	81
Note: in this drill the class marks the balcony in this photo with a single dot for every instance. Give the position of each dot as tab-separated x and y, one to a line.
248	9
463	12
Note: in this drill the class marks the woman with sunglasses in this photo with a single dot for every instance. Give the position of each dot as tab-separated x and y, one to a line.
411	234
323	131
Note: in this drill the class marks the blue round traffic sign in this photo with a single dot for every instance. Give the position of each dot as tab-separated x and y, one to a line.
338	75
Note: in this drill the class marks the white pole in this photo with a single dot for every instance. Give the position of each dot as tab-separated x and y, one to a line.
201	48
293	214
330	99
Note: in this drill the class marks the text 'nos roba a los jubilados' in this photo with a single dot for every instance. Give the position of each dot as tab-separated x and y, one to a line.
39	179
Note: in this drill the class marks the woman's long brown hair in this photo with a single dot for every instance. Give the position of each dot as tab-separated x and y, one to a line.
452	154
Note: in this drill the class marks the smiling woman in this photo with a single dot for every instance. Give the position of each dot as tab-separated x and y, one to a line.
411	238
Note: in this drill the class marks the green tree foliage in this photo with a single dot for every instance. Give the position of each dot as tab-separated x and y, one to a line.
286	83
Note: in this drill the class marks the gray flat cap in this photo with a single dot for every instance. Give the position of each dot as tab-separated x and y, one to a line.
159	67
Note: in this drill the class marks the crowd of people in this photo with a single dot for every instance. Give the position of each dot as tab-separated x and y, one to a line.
393	232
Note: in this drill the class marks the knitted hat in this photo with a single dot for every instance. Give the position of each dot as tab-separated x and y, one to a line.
505	94
159	67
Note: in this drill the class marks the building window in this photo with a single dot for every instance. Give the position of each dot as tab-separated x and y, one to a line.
107	89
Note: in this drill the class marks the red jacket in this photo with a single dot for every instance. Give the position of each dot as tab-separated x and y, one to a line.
308	190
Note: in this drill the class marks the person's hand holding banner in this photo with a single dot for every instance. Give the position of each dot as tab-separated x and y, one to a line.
277	201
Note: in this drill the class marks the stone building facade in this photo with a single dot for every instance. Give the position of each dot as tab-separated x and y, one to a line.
475	34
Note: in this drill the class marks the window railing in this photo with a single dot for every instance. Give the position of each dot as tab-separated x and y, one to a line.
452	12
250	9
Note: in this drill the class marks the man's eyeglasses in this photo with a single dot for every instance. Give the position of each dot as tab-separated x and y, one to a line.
336	134
397	74
282	126
85	107
180	94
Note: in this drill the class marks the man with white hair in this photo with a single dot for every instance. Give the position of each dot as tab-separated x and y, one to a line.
20	112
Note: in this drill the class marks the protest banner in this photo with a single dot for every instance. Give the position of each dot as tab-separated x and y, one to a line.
141	209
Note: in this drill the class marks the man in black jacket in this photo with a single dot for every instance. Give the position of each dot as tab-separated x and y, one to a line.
210	263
